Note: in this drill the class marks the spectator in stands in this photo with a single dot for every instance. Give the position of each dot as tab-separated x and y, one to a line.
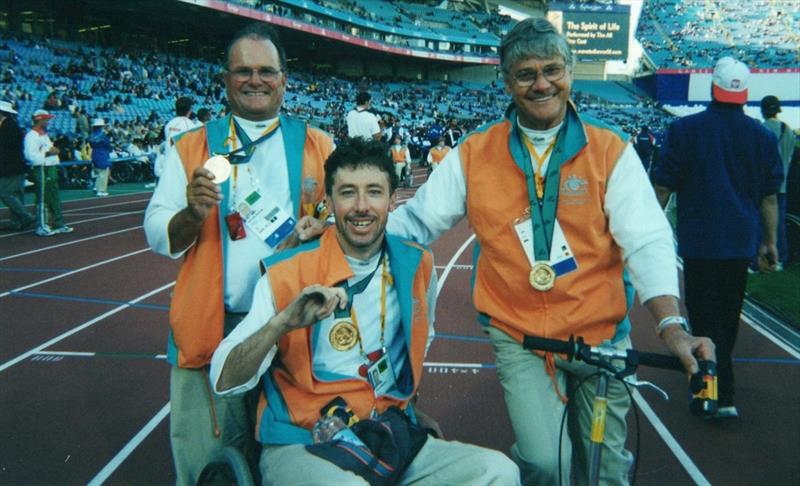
644	144
42	155
361	122
523	288
402	160
437	153
724	167
275	155
82	122
203	115
309	307
182	121
13	169
770	107
453	133
101	159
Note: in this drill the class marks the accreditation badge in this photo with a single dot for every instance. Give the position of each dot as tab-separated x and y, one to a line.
343	335
562	261
381	375
265	218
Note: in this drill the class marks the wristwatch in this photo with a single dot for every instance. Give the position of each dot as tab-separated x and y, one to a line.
670	320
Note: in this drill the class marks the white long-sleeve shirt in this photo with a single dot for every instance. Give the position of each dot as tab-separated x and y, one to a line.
36	145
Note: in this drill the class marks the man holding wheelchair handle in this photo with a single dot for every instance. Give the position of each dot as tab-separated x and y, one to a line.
567	226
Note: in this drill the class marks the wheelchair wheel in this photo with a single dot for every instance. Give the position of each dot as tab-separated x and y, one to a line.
229	466
122	172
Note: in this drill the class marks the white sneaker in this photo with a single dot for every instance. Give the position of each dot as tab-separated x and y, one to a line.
101	193
45	231
63	229
150	185
726	413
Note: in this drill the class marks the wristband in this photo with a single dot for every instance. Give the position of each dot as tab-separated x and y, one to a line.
670	320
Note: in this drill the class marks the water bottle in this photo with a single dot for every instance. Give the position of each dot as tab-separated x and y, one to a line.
332	427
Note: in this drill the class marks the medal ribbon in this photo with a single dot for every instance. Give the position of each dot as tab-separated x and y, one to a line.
543	208
248	147
358	288
539	161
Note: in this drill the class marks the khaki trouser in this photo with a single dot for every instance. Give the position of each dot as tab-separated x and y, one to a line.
192	423
438	463
536	410
101	180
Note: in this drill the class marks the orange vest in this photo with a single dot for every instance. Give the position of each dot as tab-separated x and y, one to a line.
399	156
437	155
197	313
293	394
590	301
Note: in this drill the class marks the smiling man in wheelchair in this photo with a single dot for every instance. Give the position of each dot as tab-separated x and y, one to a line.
342	325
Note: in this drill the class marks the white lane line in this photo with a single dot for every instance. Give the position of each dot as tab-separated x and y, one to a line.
755	325
673	445
452	262
455	267
74	330
435	364
68	243
73	272
92	354
126	451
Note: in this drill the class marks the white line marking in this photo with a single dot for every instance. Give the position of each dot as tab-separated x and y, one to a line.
434	364
126	451
92	354
51	247
769	336
38	349
453	262
455	267
73	272
673	445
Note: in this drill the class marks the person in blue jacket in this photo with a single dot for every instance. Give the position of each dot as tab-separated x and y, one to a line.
101	148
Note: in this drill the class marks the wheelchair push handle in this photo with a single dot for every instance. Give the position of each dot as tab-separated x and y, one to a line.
601	355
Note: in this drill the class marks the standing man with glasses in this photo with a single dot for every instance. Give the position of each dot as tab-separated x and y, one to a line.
564	214
222	225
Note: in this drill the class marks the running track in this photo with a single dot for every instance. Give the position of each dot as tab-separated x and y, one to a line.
84	385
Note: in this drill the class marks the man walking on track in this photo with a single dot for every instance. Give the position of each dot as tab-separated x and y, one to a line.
222	223
12	169
43	158
564	213
725	169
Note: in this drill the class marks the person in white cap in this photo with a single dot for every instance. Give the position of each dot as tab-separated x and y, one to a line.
43	157
101	148
724	167
12	169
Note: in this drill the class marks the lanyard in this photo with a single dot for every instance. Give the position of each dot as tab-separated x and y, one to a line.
248	147
358	288
543	208
539	179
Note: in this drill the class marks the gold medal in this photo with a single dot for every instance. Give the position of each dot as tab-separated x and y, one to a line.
343	336
542	277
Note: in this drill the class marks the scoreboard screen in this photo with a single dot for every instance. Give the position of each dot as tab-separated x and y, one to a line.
595	31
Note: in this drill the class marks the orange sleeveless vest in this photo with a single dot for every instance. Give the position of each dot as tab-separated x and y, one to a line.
197	311
590	301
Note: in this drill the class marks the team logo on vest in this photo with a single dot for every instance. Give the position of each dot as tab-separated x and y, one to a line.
573	190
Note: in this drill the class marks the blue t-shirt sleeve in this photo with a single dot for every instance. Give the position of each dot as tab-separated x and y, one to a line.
773	166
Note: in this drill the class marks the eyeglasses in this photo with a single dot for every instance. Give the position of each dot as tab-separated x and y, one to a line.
527	77
267	75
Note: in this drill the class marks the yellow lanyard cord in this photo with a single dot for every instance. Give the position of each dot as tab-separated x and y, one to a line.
538	179
385	277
